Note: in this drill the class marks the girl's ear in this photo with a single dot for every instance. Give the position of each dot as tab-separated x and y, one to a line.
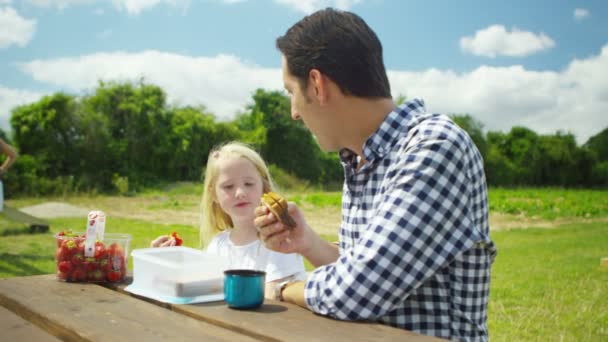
318	81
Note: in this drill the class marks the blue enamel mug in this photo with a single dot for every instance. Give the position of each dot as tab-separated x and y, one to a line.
244	289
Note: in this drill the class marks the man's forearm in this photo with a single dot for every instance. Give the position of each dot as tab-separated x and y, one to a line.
294	293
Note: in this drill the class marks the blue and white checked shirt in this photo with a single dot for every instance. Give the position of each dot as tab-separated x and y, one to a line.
415	250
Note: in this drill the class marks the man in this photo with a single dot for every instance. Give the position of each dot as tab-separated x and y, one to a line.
414	249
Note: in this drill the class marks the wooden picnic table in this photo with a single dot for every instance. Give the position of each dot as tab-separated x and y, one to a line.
41	308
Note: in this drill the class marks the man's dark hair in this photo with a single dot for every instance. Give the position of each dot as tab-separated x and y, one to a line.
341	46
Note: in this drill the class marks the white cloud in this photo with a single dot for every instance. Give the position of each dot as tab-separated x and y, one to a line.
10	98
495	40
60	4
224	84
309	6
6	2
135	7
14	29
580	14
574	99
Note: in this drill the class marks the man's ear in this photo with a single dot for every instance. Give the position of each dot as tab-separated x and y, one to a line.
319	85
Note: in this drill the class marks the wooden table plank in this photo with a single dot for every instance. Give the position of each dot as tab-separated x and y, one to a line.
282	321
15	328
90	312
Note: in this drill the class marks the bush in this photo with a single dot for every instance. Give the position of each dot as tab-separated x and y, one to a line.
285	180
121	184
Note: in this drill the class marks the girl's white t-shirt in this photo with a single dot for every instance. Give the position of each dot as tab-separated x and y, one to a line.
256	256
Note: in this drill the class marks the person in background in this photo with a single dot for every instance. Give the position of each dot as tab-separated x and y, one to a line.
235	179
11	157
414	244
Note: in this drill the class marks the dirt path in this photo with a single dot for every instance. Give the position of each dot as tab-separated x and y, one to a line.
55	209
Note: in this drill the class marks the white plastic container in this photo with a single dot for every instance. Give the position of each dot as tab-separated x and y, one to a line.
177	273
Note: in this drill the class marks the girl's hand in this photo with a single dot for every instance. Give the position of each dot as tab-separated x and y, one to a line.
163	241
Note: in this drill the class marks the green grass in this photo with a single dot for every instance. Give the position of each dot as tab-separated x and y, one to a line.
545	203
548	285
319	199
549	203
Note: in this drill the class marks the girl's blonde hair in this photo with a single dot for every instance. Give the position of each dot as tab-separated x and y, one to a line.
213	218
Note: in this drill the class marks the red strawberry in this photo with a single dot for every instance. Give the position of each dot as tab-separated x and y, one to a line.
105	265
115	251
61	254
64	235
90	264
79	274
178	240
100	250
77	258
114	276
68	248
96	275
80	246
65	266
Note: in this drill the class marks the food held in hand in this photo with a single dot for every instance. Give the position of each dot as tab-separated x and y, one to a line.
278	206
178	241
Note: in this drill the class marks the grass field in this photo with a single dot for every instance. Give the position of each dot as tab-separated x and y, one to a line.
547	284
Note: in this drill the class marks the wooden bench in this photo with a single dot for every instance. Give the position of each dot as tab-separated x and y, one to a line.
15	328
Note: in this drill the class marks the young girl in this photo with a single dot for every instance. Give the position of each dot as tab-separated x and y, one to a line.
235	179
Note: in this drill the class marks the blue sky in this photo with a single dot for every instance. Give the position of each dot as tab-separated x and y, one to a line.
540	64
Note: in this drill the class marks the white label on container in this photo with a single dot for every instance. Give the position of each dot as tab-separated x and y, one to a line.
89	243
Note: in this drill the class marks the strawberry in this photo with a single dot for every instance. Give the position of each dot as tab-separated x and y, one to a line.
68	247
100	250
114	276
61	254
178	240
115	251
105	265
90	264
64	235
77	258
117	263
79	274
96	275
65	266
80	246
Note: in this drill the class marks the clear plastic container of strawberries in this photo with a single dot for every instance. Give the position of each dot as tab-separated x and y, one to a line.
93	255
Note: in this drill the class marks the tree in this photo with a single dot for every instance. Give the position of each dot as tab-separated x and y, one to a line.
137	126
599	144
475	130
287	143
50	130
597	149
193	134
558	165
